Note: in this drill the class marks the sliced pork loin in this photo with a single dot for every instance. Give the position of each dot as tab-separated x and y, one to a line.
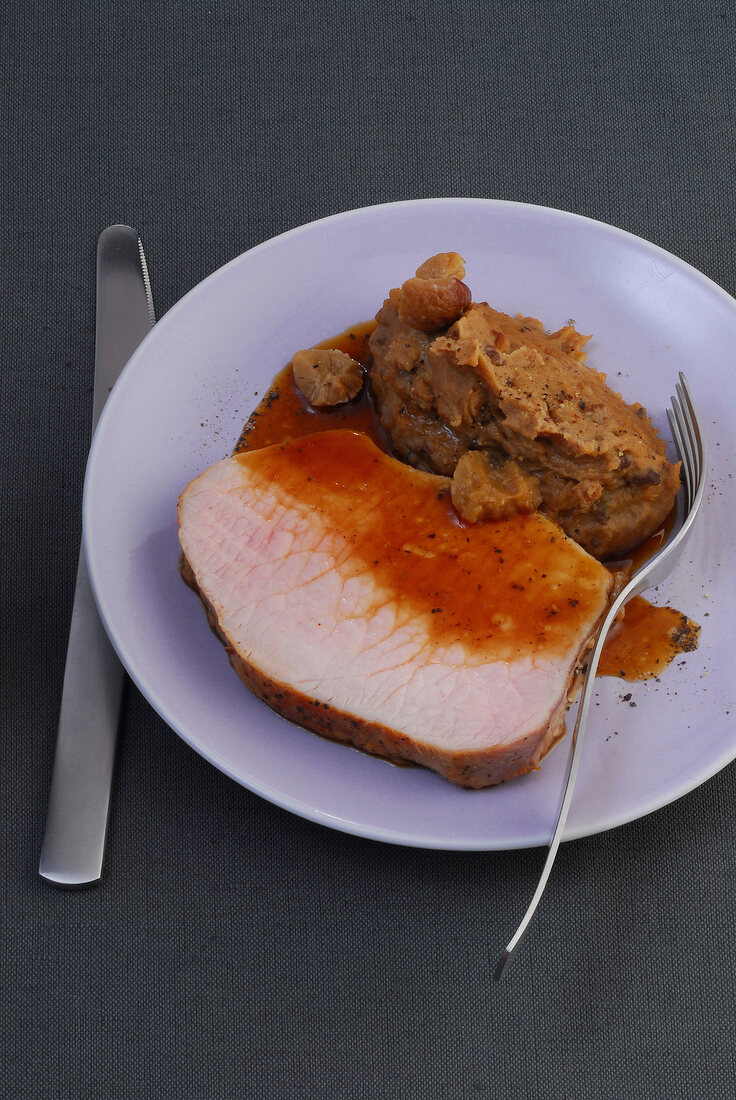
354	602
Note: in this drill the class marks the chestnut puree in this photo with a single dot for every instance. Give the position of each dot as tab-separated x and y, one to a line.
641	645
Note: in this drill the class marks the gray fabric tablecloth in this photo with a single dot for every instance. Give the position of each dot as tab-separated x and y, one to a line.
234	950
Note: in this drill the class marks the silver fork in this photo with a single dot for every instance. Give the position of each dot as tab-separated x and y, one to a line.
688	438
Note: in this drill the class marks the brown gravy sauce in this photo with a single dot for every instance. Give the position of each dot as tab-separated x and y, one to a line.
646	641
640	646
493	588
284	414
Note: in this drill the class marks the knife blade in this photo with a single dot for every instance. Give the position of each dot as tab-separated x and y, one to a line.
73	845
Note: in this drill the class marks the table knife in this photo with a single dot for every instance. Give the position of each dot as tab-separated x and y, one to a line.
79	797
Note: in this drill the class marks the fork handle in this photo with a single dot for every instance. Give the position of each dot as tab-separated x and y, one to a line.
573	763
79	798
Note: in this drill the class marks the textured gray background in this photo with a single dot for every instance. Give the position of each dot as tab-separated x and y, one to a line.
234	950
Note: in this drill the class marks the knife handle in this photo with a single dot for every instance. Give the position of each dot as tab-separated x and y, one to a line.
79	798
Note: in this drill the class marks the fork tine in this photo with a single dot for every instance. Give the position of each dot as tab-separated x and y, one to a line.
682	446
692	424
689	438
685	422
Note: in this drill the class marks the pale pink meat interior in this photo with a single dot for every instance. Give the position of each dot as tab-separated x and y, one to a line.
292	600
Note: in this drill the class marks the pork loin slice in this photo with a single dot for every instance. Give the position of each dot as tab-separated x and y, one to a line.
354	602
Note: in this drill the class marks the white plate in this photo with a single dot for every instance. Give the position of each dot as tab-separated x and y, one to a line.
181	403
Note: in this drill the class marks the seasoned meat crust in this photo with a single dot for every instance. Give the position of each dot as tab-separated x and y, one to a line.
503	385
